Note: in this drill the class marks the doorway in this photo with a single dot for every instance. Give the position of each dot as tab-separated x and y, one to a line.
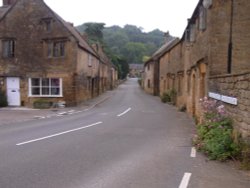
13	91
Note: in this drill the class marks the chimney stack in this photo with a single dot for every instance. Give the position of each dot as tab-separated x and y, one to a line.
167	37
8	2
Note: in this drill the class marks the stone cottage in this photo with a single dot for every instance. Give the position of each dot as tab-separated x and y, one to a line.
43	57
151	71
211	59
135	70
150	77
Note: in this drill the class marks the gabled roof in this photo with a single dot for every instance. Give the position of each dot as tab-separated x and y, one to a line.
136	66
4	10
163	49
81	41
193	17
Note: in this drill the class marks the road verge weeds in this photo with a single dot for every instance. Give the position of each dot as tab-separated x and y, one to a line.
215	135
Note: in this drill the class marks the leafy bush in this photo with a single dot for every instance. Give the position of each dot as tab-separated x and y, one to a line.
165	97
215	133
183	108
245	156
42	104
3	99
173	94
169	96
140	81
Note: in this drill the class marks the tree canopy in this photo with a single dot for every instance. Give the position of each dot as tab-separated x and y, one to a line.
127	45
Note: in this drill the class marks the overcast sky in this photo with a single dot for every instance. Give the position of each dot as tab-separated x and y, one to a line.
166	15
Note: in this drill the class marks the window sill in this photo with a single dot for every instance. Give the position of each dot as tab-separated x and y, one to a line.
8	58
61	57
45	96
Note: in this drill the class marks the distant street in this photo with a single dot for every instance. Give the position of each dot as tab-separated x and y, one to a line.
131	140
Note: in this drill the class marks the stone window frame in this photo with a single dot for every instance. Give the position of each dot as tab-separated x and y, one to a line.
56	48
190	34
202	19
148	66
47	24
180	76
45	87
149	83
188	81
8	47
90	60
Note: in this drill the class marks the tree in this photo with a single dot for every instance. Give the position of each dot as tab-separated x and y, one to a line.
115	40
122	66
94	32
134	52
129	42
124	45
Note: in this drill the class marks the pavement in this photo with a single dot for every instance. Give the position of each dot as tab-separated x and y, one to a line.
20	114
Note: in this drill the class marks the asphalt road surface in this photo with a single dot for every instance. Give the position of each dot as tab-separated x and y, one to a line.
131	140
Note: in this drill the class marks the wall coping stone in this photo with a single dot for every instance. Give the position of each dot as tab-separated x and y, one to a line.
229	75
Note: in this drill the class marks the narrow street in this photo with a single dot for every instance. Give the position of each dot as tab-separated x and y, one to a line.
131	140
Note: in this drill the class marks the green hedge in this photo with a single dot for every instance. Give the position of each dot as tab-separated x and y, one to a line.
3	99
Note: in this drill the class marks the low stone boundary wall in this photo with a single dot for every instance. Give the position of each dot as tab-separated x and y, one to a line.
236	86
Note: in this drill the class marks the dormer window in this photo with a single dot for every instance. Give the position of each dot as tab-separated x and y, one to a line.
190	33
202	18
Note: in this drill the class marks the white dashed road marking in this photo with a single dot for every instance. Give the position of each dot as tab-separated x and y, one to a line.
123	113
193	152
58	134
185	180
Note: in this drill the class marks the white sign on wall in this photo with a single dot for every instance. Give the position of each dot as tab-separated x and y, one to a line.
230	100
214	96
226	99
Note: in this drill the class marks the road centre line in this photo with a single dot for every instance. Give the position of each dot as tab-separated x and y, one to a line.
123	113
193	152
185	180
58	134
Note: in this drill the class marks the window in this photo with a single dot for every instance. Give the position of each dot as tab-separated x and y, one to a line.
56	49
168	82
149	85
47	24
90	60
187	34
8	50
192	33
202	18
180	86
188	83
47	87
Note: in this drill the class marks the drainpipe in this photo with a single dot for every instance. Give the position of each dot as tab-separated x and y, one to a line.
230	44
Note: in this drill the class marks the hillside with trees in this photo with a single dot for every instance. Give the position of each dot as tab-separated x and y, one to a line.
124	45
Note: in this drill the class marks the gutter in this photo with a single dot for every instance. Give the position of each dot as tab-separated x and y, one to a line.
230	44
